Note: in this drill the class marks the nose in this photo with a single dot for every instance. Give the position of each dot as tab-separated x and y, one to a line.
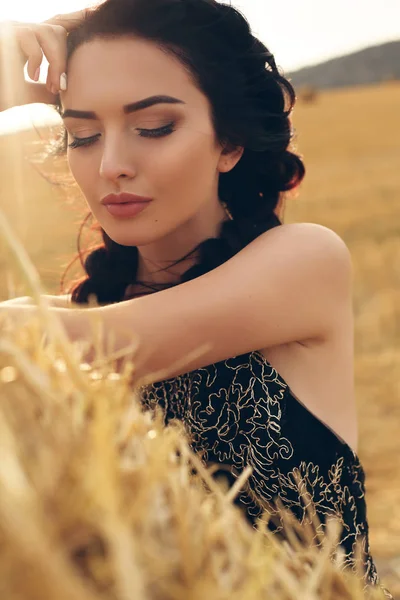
116	162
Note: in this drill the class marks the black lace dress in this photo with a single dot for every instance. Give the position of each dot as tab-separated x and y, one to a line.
241	412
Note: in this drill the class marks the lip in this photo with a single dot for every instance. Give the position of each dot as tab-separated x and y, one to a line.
124	198
126	209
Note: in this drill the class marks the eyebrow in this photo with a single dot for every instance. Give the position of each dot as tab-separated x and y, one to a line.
128	108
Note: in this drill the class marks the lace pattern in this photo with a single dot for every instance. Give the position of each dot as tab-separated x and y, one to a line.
241	412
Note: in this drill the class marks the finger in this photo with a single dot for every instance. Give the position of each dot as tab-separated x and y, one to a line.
54	45
31	48
56	70
9	39
70	21
53	89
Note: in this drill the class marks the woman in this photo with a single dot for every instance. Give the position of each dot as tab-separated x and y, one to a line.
176	101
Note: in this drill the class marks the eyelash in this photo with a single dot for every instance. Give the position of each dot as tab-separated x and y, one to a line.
151	133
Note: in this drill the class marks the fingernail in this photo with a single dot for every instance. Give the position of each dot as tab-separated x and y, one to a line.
37	74
63	82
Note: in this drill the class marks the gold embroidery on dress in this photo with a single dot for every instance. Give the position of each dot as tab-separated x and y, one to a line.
232	412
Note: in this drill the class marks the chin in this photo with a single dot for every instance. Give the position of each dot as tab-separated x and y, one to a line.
129	238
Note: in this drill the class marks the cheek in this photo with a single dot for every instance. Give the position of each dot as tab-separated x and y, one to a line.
189	164
73	165
81	170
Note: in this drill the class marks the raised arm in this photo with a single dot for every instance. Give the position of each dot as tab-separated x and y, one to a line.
19	43
22	43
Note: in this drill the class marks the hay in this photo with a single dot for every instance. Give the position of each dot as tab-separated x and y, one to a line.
99	500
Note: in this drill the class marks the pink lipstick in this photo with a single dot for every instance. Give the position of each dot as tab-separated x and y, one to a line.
125	205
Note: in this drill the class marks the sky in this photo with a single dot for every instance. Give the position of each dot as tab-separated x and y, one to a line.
298	32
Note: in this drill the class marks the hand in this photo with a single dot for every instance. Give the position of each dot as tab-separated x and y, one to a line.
75	324
21	42
61	25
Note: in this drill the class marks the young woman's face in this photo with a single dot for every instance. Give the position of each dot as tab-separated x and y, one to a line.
178	167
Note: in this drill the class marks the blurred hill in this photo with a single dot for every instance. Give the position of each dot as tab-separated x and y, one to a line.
368	66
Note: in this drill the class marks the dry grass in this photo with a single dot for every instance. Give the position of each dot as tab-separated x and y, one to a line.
350	145
99	501
349	142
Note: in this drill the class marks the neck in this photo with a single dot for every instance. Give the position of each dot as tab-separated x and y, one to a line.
155	260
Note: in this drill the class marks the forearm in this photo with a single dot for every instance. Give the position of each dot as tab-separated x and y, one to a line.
24	93
76	323
63	301
23	300
79	324
14	89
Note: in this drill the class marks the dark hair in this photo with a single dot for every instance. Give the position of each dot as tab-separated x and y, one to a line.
247	94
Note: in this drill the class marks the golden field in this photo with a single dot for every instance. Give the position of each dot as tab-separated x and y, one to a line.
348	140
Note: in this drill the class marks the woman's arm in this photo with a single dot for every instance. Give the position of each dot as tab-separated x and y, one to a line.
19	44
27	93
293	283
21	301
27	42
63	301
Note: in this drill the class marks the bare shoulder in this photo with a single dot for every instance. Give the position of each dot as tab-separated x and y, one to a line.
290	284
313	234
310	267
310	246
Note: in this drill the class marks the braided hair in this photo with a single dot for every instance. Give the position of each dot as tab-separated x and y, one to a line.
251	104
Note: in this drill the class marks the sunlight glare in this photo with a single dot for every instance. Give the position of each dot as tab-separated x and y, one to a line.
40	10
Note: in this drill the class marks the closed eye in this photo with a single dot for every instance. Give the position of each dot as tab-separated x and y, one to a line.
151	133
78	142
